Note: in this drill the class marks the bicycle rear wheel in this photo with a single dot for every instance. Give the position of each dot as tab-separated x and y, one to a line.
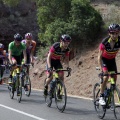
19	89
101	110
117	103
47	97
60	96
27	85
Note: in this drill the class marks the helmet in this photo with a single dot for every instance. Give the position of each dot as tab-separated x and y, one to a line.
1	46
18	37
66	38
114	28
28	36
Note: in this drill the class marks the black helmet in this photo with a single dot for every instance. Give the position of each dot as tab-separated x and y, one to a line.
66	38
18	37
114	28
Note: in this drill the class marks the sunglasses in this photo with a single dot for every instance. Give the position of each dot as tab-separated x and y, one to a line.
114	33
17	41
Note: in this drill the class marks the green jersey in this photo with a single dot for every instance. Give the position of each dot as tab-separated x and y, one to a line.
16	50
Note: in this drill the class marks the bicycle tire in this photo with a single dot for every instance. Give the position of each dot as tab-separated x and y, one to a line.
27	85
112	107
117	102
11	88
19	87
60	96
48	99
101	110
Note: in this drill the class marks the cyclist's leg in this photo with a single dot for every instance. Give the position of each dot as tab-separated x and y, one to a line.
28	62
1	71
17	60
108	65
59	66
48	80
12	69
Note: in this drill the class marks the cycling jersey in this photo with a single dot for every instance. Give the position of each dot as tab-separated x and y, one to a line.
30	47
109	52
57	51
16	50
2	54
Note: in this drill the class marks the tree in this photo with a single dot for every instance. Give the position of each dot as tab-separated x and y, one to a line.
74	17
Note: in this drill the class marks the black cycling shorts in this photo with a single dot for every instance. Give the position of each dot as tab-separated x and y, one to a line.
109	64
1	61
56	64
18	59
28	58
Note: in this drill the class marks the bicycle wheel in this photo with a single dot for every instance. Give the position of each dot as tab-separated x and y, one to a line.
19	89
27	85
117	103
60	96
101	110
48	98
11	88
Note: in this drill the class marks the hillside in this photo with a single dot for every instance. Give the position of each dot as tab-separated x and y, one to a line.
84	74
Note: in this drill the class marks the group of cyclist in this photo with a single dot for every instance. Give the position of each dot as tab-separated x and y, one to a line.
24	49
18	50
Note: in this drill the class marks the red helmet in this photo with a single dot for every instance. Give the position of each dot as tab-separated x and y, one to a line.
28	36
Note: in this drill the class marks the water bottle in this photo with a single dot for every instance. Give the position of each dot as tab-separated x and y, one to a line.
52	84
14	78
106	92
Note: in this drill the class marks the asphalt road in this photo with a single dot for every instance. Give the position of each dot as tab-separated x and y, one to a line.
34	108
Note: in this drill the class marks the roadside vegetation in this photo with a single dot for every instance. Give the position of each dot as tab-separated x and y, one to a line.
83	20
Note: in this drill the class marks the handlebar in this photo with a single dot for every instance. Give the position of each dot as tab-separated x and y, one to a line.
69	72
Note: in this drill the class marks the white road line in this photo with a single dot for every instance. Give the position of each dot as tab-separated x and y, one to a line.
21	112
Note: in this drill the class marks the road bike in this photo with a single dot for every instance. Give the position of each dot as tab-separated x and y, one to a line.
57	90
20	79
111	96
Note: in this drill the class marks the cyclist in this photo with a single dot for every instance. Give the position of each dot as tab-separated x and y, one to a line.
2	57
108	49
15	49
56	52
30	48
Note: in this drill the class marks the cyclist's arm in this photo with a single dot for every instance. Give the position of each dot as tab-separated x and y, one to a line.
25	56
66	61
49	59
10	56
100	58
32	52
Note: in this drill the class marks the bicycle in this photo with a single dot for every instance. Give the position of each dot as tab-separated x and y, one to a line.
58	91
20	79
111	96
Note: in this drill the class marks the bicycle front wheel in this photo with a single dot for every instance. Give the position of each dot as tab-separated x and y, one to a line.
60	96
117	103
19	89
27	85
101	110
11	88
